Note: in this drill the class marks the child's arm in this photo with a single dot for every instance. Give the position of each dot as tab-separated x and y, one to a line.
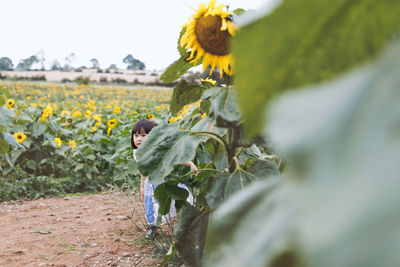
192	166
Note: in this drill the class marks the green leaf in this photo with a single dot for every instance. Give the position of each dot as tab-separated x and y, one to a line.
11	140
38	128
342	141
4	146
176	192
2	100
264	168
177	69
324	39
5	91
185	93
191	234
6	117
23	118
164	199
165	147
224	110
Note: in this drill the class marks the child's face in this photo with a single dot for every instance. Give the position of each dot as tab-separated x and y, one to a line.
138	137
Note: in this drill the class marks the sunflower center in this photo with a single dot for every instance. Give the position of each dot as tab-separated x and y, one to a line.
210	37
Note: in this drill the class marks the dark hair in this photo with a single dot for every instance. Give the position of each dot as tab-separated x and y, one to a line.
144	124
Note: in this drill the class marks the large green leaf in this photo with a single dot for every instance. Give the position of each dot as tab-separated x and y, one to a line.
339	204
226	184
165	147
304	42
191	234
224	110
185	93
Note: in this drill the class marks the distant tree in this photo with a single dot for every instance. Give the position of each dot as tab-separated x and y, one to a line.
55	65
6	64
40	57
21	66
133	63
95	63
112	67
28	62
68	61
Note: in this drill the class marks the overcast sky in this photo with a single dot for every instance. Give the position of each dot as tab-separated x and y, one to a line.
105	30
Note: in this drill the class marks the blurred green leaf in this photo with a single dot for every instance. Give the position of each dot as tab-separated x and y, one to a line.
165	147
339	204
185	93
4	146
324	39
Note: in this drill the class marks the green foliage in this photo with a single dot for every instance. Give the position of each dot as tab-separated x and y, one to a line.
224	110
165	147
185	93
343	181
324	39
177	69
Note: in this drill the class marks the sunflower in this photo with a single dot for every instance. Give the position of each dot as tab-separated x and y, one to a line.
88	113
112	123
10	103
20	137
57	141
150	117
207	36
116	110
72	144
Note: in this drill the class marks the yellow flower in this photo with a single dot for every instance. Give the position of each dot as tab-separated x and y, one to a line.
58	141
109	131
76	114
92	105
208	80
203	115
207	35
69	121
20	137
65	113
72	144
158	108
116	110
150	117
112	123
93	129
10	103
88	113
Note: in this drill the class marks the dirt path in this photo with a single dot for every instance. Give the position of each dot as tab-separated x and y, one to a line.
94	230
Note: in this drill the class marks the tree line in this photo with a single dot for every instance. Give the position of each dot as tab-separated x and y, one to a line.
27	63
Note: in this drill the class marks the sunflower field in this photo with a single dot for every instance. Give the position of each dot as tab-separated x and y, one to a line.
73	137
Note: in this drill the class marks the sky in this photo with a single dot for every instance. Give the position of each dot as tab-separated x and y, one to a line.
105	30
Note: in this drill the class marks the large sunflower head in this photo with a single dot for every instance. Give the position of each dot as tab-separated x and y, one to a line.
207	36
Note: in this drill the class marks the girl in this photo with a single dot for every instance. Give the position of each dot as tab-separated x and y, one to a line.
139	132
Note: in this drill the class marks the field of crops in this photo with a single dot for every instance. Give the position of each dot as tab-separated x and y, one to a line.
77	132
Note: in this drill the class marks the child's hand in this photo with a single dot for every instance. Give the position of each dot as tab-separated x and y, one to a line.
192	166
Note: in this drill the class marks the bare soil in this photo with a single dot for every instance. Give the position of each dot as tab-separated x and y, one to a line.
105	229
